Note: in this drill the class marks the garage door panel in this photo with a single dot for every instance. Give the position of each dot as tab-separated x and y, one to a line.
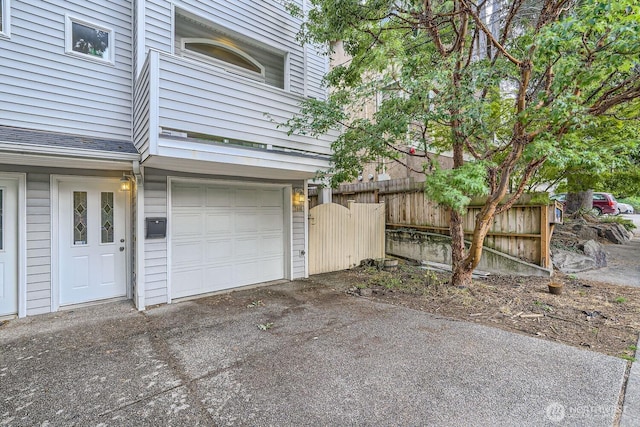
246	222
271	245
271	268
186	224
186	282
219	197
246	197
234	237
271	198
219	251
186	195
247	273
187	253
219	223
271	222
218	278
247	247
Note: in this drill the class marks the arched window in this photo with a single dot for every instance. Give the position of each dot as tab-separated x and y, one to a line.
230	58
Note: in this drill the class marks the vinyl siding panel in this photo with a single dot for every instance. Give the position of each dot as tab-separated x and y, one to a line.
142	112
317	67
46	89
155	252
158	25
38	244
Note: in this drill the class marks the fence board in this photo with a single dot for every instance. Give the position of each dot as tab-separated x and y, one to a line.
522	231
340	237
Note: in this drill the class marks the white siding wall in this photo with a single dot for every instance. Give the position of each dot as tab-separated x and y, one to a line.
44	88
266	22
38	244
142	112
317	67
155	250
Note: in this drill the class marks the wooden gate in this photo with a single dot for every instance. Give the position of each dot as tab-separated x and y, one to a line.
339	237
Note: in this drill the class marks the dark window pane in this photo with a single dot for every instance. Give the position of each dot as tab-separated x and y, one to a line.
90	41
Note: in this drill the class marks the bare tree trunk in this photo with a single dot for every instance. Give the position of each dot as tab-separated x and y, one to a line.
461	274
579	200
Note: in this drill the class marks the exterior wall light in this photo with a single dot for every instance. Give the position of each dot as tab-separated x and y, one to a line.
125	184
298	199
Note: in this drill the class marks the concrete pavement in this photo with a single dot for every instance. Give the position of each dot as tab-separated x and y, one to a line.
323	359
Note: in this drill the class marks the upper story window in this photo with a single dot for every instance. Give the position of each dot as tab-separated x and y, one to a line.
234	52
230	58
88	40
5	23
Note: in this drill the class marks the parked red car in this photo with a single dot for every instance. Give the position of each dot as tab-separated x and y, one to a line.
603	203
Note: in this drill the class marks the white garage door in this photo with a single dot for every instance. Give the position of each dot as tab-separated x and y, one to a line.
224	237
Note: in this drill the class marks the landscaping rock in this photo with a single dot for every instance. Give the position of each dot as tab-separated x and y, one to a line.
593	249
571	262
585	231
615	233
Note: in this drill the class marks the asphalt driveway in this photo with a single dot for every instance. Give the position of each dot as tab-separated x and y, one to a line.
324	359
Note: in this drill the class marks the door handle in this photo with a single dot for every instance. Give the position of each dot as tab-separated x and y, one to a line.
121	248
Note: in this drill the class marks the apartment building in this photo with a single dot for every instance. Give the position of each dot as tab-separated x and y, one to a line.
140	155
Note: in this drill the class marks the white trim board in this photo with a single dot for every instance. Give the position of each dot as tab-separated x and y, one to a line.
21	268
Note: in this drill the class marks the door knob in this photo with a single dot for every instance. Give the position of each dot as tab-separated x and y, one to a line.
121	248
121	240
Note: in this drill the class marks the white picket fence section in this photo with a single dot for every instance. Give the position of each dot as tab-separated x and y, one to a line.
340	237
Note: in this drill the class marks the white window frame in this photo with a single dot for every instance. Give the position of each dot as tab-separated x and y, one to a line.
5	5
68	40
220	63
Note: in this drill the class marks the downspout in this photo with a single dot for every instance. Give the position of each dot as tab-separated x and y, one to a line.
139	275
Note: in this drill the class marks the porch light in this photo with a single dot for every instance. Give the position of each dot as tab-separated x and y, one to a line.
298	199
125	184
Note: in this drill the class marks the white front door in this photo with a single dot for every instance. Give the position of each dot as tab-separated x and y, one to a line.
8	247
92	247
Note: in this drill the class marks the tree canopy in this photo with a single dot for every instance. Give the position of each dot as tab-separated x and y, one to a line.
504	85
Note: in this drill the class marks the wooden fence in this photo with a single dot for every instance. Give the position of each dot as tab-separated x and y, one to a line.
524	231
340	237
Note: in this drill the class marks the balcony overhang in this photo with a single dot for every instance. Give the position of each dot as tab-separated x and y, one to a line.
187	155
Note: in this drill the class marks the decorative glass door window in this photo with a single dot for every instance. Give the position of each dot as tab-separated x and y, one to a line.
79	217
106	208
1	219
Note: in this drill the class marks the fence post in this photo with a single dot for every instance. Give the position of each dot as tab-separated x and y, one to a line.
544	237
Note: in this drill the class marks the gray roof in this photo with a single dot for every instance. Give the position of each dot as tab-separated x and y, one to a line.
55	139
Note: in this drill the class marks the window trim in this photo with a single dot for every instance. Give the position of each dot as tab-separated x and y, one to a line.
5	5
68	40
227	66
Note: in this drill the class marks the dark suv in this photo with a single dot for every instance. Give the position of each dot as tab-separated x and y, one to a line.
603	203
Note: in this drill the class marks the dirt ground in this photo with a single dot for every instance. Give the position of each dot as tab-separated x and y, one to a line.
597	316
